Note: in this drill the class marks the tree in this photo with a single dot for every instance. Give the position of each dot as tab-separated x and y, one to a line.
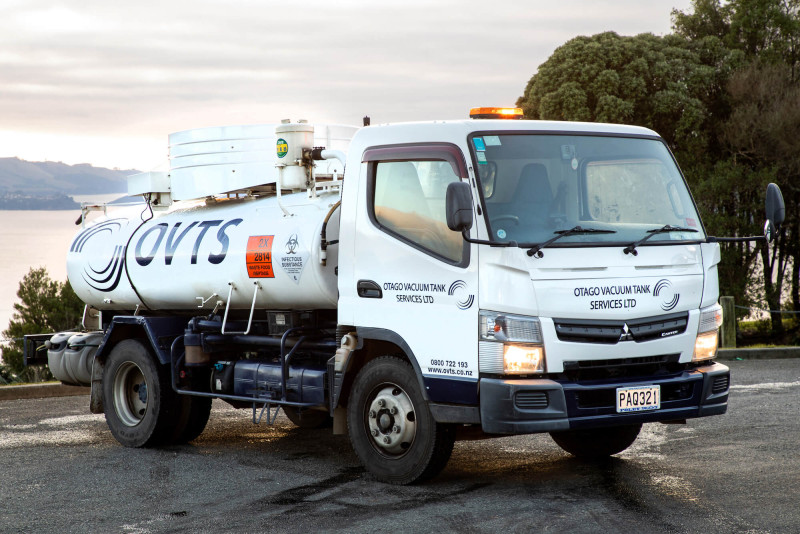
709	18
670	84
764	29
763	135
674	85
722	91
760	134
45	306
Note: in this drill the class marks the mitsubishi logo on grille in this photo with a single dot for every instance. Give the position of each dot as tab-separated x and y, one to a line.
626	333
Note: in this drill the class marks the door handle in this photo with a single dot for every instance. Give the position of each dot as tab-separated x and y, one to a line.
369	290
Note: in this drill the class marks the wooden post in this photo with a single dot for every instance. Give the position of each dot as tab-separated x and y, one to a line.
728	330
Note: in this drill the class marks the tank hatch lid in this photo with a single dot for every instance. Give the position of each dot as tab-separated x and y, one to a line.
231	159
148	182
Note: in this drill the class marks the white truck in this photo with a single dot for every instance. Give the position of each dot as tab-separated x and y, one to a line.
403	283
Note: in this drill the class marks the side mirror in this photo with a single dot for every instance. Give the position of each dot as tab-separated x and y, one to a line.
776	211
458	206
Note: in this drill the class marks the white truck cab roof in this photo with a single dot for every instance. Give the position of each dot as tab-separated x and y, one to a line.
416	132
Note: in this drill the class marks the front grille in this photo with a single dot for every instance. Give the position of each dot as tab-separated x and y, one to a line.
622	368
720	384
612	332
531	400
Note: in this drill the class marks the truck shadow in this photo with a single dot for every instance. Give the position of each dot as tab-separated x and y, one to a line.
310	476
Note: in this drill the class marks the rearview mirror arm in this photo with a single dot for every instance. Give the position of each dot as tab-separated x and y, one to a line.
712	239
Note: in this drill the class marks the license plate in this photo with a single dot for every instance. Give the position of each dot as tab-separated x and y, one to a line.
638	399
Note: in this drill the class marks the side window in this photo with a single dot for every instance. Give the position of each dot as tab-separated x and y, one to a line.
409	201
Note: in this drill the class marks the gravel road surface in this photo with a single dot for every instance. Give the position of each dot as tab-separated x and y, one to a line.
61	471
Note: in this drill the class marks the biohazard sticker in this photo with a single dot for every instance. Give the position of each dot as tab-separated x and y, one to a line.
259	256
294	258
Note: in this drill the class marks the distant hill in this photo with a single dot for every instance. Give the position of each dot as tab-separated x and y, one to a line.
20	201
49	178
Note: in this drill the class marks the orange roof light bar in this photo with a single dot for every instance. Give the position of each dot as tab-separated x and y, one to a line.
495	113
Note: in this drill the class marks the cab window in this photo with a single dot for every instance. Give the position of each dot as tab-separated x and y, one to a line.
409	202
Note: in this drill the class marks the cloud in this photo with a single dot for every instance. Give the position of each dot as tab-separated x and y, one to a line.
144	69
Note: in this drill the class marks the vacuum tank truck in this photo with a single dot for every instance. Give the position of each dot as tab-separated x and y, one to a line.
402	283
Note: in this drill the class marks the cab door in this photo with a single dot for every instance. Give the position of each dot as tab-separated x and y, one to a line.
416	280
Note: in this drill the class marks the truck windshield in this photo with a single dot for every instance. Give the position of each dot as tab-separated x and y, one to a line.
535	185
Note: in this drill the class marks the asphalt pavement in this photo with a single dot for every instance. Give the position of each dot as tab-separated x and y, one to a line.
62	471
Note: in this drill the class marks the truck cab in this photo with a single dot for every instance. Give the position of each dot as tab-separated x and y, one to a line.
583	297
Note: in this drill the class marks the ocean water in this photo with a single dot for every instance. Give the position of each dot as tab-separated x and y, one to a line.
35	239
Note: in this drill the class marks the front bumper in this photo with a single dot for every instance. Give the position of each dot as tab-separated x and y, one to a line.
541	405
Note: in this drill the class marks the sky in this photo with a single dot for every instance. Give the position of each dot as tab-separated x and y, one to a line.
105	82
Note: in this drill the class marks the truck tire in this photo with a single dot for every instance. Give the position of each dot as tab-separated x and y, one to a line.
595	443
194	414
140	406
391	428
308	418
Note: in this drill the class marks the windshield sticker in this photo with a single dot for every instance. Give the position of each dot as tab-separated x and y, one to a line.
492	140
574	164
478	142
501	233
482	158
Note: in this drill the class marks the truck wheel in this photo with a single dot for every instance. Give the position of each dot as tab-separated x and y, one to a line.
308	418
391	429
195	412
596	443
140	406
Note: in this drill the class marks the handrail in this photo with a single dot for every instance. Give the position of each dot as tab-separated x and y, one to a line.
232	287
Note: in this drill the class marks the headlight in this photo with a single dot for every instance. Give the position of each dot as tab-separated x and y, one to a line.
511	344
523	359
705	346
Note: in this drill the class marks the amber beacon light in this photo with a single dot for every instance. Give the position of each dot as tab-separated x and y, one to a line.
495	113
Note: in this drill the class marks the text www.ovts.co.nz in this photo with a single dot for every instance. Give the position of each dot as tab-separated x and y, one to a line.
446	371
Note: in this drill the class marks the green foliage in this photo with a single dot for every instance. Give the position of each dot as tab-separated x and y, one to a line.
764	29
661	83
764	125
730	197
763	134
759	132
44	306
710	18
723	92
760	332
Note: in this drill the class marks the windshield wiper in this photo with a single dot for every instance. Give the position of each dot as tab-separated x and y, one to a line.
631	249
536	250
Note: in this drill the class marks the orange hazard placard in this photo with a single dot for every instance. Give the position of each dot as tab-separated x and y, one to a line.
259	256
